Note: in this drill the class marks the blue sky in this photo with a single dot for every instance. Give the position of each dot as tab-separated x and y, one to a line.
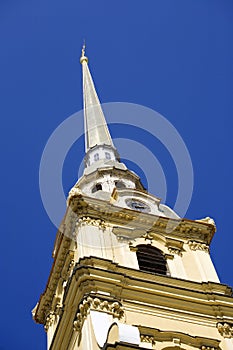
172	56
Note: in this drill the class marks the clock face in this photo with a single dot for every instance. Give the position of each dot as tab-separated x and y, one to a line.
136	204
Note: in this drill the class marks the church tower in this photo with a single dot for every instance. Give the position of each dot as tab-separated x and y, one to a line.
128	273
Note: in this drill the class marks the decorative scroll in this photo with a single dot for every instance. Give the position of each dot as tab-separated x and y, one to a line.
198	246
73	193
147	339
50	319
92	222
225	329
176	251
148	236
113	308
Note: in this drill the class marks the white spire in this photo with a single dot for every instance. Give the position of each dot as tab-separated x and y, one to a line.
96	129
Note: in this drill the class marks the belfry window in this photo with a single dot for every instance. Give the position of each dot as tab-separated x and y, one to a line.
97	187
151	259
96	157
107	155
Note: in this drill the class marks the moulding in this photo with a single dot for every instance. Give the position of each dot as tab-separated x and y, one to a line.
153	335
104	210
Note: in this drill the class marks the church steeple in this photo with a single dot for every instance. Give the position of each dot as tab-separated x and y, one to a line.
128	272
97	136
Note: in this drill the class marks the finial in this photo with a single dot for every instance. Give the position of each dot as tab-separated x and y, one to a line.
83	58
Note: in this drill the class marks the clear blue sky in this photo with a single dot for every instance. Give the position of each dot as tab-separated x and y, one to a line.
175	57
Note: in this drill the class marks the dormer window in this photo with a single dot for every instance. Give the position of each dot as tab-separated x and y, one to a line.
97	187
151	259
96	157
107	155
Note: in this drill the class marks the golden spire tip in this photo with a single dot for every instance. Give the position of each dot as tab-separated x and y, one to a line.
83	57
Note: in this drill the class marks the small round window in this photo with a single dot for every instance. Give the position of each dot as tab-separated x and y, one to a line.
119	184
136	204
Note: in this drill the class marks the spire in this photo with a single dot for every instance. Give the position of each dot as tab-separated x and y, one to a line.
96	129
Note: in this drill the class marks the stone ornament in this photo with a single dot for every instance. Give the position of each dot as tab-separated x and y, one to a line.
68	270
92	222
123	239
73	192
174	251
147	339
225	329
148	236
70	267
50	319
207	220
198	246
113	308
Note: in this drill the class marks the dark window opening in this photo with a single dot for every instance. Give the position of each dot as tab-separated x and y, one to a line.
96	157
107	155
119	184
97	187
151	259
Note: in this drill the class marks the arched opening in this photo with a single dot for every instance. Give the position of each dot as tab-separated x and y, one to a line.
97	187
151	259
107	155
96	157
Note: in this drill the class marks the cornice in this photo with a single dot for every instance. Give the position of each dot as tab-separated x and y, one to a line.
186	229
87	210
111	267
107	283
63	255
203	300
61	268
120	173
